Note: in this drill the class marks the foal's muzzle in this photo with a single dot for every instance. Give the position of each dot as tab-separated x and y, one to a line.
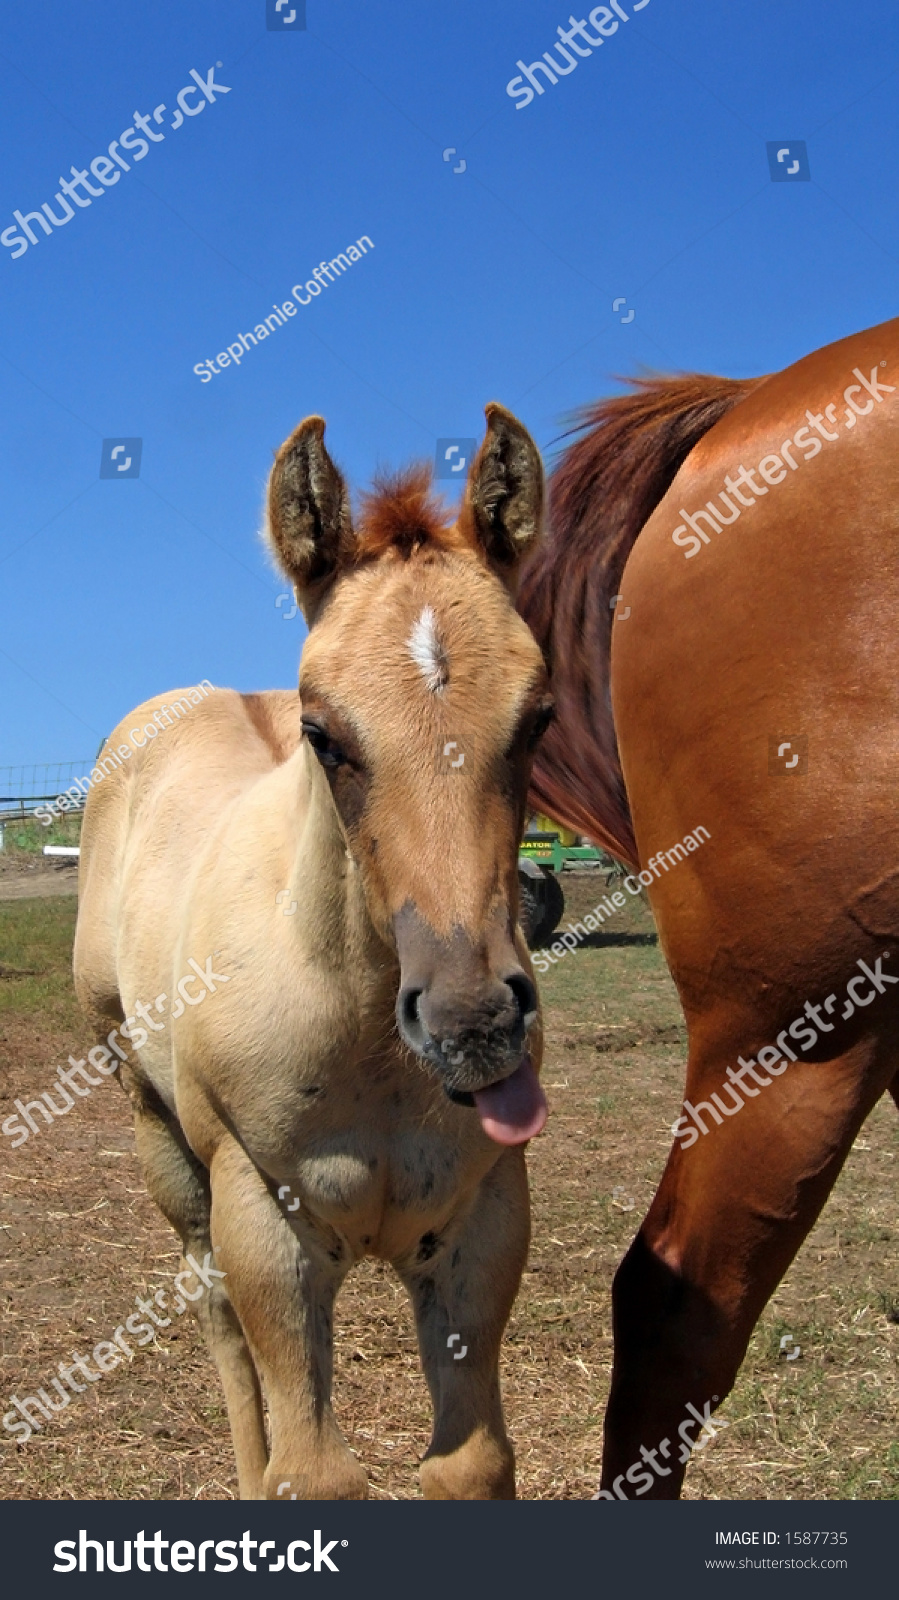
466	1007
471	1039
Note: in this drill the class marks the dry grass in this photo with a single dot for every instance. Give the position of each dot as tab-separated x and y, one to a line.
80	1239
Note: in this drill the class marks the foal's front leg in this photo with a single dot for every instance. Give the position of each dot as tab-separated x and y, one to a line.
282	1281
463	1284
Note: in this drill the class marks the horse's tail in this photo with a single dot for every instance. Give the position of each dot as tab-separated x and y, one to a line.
601	493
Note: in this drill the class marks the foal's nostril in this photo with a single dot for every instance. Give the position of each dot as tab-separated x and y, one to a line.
525	996
410	1003
409	1008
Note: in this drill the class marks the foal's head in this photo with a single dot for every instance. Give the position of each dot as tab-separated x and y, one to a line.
423	698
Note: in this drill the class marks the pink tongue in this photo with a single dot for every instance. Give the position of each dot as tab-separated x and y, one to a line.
515	1109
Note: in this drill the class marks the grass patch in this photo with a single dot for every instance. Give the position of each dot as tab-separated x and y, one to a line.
36	939
25	838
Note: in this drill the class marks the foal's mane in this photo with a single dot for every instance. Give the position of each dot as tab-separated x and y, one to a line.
601	493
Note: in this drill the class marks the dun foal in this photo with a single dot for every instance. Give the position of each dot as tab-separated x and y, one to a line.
363	1079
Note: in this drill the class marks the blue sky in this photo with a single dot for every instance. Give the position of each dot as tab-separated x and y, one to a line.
642	174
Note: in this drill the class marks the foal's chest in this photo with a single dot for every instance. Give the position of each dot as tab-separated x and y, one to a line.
382	1187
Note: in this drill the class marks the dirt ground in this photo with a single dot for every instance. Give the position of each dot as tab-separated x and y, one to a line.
80	1239
24	878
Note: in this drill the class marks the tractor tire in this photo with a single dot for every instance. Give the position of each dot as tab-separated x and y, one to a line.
541	903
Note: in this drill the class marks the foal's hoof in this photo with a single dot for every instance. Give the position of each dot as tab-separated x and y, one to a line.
325	1480
483	1472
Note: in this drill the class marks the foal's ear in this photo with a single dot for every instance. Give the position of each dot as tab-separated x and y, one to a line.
310	527
504	496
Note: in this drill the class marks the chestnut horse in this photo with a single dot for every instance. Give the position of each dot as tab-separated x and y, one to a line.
718	598
354	1069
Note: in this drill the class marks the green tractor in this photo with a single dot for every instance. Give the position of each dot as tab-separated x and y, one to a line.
546	851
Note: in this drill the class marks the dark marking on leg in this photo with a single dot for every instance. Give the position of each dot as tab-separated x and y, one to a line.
425	1294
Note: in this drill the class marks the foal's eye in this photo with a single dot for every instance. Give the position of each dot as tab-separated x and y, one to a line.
541	722
327	752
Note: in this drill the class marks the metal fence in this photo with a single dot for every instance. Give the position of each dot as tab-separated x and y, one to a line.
23	788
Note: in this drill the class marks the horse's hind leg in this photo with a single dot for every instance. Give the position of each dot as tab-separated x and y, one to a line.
179	1184
463	1285
729	1216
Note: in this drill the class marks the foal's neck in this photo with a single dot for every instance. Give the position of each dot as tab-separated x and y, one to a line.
337	920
